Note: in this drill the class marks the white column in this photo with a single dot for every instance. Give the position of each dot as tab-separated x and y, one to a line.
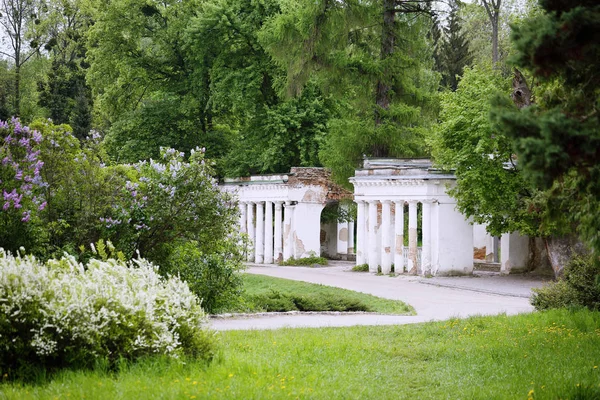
386	238
250	230
342	235
268	232
350	237
372	232
412	238
288	239
243	223
360	232
278	233
260	233
426	230
399	237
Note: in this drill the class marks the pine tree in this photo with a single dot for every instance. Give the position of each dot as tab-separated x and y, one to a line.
454	51
558	138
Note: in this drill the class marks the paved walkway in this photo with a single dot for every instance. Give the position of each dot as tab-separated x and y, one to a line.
432	298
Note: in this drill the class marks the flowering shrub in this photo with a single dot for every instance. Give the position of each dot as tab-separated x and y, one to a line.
21	183
63	313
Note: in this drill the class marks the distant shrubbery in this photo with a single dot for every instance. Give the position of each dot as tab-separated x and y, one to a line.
579	287
60	195
308	261
66	314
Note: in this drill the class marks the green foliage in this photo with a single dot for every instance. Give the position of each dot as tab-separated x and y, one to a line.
557	138
309	261
214	278
489	187
438	358
454	53
128	312
361	268
264	293
579	287
339	46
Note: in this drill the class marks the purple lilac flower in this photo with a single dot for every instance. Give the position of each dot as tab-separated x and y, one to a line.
42	206
24	142
3	124
37	136
8	139
26	216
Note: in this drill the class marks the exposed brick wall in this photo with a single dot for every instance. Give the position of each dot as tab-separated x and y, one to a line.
319	177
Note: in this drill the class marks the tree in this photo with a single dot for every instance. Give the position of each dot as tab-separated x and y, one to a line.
64	91
492	9
557	139
489	186
375	58
454	51
20	20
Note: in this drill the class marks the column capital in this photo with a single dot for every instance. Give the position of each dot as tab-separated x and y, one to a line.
278	205
373	201
413	201
386	201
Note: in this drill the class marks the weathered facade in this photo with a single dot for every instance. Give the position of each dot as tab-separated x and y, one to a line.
281	214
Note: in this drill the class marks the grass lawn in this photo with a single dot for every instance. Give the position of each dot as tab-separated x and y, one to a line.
547	355
265	293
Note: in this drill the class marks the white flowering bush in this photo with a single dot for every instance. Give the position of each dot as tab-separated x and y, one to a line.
63	313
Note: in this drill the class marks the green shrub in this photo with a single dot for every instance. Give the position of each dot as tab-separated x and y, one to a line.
274	301
579	287
361	268
310	261
214	278
65	314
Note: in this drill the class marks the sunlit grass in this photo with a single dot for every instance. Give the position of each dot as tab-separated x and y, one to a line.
547	355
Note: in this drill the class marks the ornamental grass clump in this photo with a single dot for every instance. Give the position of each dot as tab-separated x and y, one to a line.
66	314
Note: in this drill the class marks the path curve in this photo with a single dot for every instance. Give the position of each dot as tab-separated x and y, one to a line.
439	299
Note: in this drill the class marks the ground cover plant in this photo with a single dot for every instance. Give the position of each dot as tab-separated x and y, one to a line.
546	355
265	293
305	261
66	314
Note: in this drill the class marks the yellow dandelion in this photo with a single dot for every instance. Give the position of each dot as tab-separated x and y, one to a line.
530	393
595	367
194	383
230	375
188	379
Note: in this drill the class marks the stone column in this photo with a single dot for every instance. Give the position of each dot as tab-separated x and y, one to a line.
361	250
260	233
426	230
250	230
269	232
278	232
288	241
412	238
399	237
243	223
386	237
350	237
372	232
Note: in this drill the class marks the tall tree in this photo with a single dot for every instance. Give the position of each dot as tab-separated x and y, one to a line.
454	52
20	20
557	139
492	9
64	91
374	56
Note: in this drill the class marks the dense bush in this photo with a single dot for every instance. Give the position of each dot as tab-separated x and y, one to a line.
276	301
213	277
579	287
61	194
63	313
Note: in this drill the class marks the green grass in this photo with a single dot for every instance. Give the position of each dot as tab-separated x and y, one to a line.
265	293
554	354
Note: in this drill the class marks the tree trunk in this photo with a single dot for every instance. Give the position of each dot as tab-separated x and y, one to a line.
384	83
17	103
521	94
495	41
492	8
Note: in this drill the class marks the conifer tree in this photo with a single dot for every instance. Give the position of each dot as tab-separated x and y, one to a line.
557	138
454	51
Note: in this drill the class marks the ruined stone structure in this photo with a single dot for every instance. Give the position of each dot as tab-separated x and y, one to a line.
281	214
405	219
383	190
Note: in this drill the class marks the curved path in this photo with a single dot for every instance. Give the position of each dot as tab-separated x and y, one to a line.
433	299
